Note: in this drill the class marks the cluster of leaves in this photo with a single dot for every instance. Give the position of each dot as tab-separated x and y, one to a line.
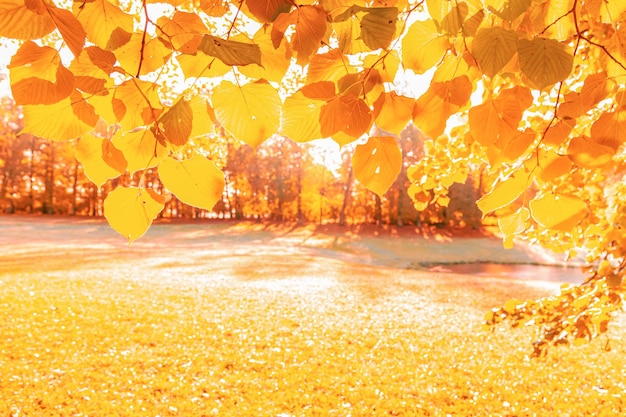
536	89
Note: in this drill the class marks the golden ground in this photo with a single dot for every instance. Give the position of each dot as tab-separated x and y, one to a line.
243	320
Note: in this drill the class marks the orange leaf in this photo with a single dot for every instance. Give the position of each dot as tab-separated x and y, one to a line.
348	114
610	129
176	123
231	52
392	112
266	11
15	13
377	163
544	61
442	100
38	76
136	103
100	159
589	154
70	28
311	23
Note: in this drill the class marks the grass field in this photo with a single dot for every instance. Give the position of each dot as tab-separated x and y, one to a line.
204	320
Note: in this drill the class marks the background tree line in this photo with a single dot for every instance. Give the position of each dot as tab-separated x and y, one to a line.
279	181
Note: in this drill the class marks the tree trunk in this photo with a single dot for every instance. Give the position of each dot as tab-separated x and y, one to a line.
346	196
378	216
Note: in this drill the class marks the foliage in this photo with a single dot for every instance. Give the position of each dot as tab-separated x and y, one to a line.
535	90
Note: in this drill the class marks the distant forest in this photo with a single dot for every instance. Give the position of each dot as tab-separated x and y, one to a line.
279	181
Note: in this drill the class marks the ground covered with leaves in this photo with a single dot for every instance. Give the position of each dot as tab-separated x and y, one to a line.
235	319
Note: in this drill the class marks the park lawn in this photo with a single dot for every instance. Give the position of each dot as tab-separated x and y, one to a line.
260	330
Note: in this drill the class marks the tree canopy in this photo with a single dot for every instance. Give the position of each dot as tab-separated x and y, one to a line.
534	91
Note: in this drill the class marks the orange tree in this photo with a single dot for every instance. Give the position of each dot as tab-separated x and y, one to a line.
535	89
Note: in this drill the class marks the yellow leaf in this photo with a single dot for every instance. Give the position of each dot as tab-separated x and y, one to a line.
130	211
423	46
67	119
503	193
378	26
136	103
544	61
329	66
387	64
141	149
392	112
14	14
100	159
507	9
106	25
471	25
251	113
202	65
493	48
513	224
203	117
442	100
141	56
311	24
558	211
176	123
300	117
275	61
38	76
377	163
196	181
453	21
70	28
91	70
231	52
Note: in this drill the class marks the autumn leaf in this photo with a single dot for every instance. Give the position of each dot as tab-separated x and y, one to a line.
231	52
503	193
423	46
507	9
347	114
392	112
512	225
544	61
141	56
589	154
196	181
375	26
182	32
251	113
276	61
558	211
310	30
300	117
136	103
14	14
131	210
105	24
454	20
377	163
266	11
493	48
67	119
38	75
141	149
100	159
442	100
328	67
176	123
